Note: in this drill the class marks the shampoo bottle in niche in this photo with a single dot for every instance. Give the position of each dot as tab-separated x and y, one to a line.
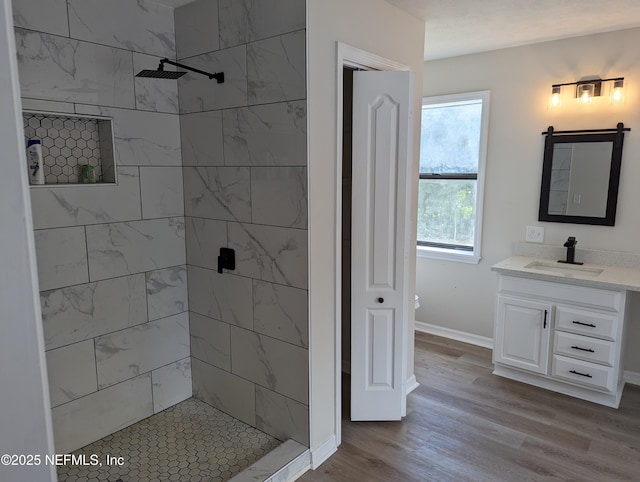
34	160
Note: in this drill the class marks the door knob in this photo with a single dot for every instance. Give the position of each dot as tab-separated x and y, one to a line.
380	300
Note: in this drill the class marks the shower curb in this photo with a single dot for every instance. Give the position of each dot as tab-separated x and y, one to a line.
286	462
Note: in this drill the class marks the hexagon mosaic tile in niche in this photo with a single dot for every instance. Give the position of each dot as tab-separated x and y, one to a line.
190	441
67	144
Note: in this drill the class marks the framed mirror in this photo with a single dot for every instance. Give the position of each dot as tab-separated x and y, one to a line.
580	176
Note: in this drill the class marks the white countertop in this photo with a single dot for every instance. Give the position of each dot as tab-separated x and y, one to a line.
611	277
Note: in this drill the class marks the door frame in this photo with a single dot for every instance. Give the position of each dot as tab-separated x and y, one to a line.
347	56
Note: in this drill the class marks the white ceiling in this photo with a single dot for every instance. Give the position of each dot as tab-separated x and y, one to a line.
458	27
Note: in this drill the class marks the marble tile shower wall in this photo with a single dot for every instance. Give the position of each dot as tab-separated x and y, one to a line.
245	171
111	259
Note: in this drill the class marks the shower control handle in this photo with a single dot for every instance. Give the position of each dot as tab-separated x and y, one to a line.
226	260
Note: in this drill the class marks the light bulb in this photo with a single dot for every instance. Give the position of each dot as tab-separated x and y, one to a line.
585	93
617	94
555	100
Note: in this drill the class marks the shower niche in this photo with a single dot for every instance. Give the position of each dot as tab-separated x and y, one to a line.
76	149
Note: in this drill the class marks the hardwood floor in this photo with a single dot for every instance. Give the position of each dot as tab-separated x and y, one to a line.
465	424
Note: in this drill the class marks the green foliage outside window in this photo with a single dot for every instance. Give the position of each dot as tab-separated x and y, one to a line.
446	211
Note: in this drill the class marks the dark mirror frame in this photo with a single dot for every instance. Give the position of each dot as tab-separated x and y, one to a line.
600	135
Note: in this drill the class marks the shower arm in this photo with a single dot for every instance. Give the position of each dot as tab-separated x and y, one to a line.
219	76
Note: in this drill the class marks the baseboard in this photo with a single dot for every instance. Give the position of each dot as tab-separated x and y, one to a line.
323	452
632	378
412	384
454	334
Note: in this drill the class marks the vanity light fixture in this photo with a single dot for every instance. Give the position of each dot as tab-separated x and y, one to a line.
555	100
586	90
617	94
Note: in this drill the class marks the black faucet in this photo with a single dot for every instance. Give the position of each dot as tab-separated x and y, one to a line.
571	251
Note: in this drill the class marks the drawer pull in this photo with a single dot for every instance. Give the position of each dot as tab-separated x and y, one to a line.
591	325
581	374
583	349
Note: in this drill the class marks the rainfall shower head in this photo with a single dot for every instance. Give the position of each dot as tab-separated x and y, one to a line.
167	74
160	74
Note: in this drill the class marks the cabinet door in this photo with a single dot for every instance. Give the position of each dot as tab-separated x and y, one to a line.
523	333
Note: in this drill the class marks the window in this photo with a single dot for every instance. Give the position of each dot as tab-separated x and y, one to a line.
453	146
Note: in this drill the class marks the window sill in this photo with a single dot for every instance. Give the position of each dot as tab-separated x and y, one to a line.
447	255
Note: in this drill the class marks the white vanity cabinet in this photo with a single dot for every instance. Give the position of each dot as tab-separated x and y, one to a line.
561	336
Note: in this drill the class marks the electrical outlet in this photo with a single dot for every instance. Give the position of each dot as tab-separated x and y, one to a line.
535	234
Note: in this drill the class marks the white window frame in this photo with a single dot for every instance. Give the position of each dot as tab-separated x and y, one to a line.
472	257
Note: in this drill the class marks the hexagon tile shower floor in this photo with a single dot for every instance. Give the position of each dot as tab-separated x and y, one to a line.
190	441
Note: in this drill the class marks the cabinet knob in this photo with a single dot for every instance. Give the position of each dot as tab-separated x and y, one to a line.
380	300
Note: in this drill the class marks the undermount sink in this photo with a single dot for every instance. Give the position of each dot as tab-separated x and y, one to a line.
564	269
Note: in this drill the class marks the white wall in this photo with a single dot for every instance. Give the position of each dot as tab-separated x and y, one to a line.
382	29
460	296
25	419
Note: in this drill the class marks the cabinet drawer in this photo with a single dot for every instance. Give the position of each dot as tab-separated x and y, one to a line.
579	295
592	323
584	347
583	373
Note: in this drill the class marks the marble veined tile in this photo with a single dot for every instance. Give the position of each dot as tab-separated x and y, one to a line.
127	353
560	179
266	135
210	341
167	292
158	95
205	237
224	391
171	384
225	297
243	21
126	248
558	201
218	193
48	16
71	372
201	135
276	69
142	138
274	364
270	253
197	28
199	93
48	105
281	417
61	257
162	192
88	204
87	419
141	26
63	69
77	313
279	196
280	312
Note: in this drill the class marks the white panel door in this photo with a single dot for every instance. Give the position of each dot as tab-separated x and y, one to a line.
382	112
